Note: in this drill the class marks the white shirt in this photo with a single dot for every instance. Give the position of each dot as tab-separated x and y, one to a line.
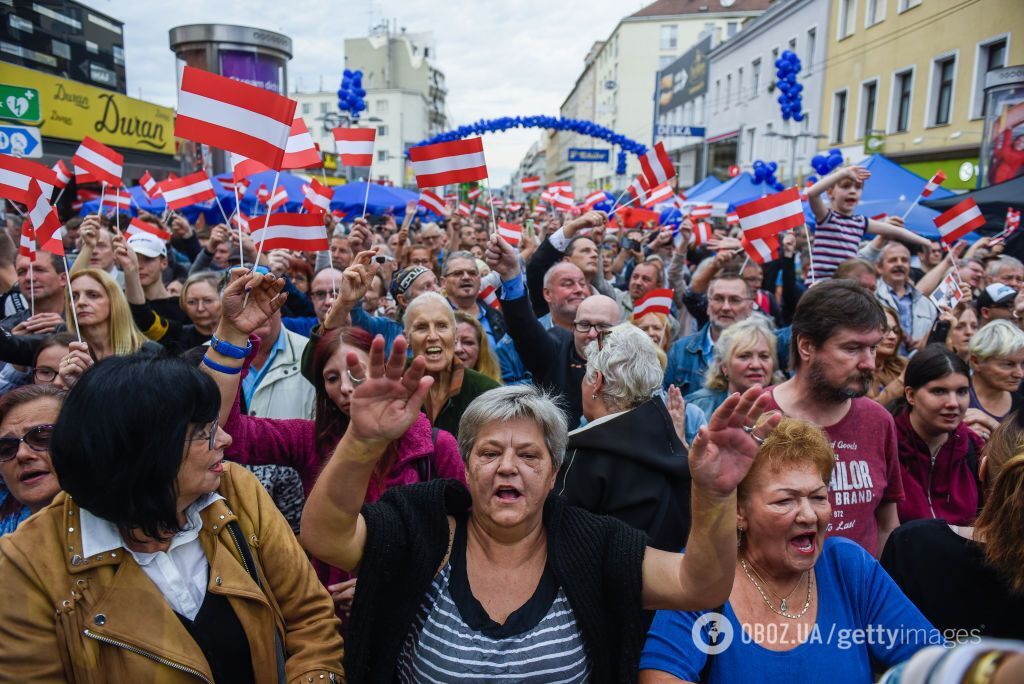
181	573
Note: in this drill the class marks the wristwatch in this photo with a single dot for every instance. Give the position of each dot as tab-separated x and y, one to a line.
230	350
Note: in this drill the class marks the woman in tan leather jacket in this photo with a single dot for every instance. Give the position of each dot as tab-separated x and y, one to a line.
160	562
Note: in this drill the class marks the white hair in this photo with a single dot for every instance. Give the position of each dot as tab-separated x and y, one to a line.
423	300
505	404
628	359
996	338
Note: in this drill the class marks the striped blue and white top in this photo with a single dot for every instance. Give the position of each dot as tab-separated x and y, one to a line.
836	239
540	642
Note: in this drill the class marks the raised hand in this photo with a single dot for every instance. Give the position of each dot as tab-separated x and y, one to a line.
218	236
858	174
724	450
359	238
501	257
677	409
389	396
591	219
124	255
355	281
90	231
247	302
74	363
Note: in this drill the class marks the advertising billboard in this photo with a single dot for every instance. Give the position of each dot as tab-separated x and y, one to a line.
263	71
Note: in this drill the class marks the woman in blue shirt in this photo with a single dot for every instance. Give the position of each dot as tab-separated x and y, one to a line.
801	607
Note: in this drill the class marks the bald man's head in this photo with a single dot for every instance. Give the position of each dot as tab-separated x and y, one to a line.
323	290
596	315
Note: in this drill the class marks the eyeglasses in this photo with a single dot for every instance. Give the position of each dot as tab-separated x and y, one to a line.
210	438
319	295
43	373
461	274
731	301
37	438
586	326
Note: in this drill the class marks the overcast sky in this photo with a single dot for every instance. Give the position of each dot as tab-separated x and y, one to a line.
499	59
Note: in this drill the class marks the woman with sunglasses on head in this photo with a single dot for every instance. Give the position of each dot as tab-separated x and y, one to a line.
27	415
175	567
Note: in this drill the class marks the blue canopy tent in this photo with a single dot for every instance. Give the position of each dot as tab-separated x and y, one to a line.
734	191
382	198
891	190
703	186
291	183
157	206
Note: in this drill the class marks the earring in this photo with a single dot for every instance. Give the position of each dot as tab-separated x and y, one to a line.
739	537
594	396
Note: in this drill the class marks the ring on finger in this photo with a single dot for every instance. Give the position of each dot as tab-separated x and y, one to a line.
749	429
759	440
356	382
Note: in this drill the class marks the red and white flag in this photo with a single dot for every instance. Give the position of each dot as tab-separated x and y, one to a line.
490	297
187	190
99	161
701	211
480	211
497	203
278	199
473	194
565	199
355	145
62	173
16	176
531	183
660	194
948	293
701	233
149	185
772	214
639	188
262	194
45	222
318	197
241	186
139	226
680	201
762	249
540	209
301	232
459	161
803	191
933	183
234	116
27	244
431	202
1012	220
463	209
241	221
300	151
243	167
594	198
655	301
657	167
732	218
515	206
954	223
120	199
546	196
511	232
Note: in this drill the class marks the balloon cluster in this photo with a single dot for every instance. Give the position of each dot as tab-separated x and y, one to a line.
787	66
764	172
558	123
351	93
825	163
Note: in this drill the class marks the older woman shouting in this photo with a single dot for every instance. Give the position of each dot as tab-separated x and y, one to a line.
474	581
802	606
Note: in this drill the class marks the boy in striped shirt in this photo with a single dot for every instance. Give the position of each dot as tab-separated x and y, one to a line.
840	231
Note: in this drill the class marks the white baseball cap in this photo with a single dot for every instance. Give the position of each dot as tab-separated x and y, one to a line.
147	245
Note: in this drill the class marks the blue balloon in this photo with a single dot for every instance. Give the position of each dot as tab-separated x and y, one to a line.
773	166
347	73
778	187
812	179
799	116
834	162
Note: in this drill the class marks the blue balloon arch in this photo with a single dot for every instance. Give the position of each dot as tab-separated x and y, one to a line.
558	123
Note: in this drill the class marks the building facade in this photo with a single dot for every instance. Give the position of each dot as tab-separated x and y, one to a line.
744	121
534	163
906	78
580	104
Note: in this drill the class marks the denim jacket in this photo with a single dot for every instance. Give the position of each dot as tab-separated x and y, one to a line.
688	362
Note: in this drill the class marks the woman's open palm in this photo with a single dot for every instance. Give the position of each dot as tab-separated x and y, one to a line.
388	400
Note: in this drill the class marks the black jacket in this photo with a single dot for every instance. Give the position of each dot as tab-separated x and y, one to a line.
597	561
544	258
632	467
550	355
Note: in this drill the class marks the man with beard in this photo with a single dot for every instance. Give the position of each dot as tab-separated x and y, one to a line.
836	329
917	312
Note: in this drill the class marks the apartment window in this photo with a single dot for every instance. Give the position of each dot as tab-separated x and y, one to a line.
943	71
868	104
92	47
792	44
991	56
664	61
812	39
669	38
739	84
904	5
324	106
847	18
19	24
382	155
118	53
728	90
731	28
307	108
382	131
750	144
59	49
755	76
381	106
838	116
718	93
903	92
874	12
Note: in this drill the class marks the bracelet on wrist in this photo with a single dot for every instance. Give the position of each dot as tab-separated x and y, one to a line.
230	350
220	368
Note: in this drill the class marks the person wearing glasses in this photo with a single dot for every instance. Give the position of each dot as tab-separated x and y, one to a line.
729	300
27	415
556	358
172	567
46	364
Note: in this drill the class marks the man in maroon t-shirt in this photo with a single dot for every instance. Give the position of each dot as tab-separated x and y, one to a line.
836	328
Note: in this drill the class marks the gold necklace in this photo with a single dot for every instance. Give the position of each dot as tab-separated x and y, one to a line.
781	610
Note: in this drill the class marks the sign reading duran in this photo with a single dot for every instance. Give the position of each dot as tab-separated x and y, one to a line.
70	110
667	130
582	154
248	67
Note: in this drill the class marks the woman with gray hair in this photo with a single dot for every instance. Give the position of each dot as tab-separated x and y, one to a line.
997	368
628	461
498	579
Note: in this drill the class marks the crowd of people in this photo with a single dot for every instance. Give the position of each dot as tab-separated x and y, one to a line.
428	454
